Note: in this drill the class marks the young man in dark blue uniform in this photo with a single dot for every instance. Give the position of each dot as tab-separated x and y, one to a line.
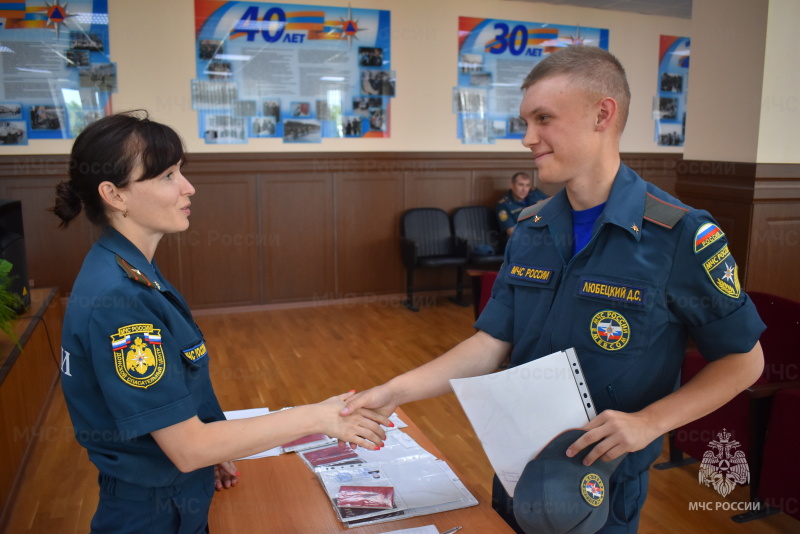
614	267
520	196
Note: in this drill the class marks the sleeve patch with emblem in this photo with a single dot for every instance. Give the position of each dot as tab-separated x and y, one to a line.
707	234
723	272
503	216
138	355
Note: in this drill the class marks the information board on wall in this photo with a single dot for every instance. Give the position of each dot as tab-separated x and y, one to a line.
494	57
299	73
57	75
669	107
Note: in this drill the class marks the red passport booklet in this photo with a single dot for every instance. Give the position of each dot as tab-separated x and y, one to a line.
378	497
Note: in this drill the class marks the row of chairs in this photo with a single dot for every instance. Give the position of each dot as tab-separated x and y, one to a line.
762	420
429	238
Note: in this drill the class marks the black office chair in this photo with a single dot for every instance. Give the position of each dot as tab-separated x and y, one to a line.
478	226
426	240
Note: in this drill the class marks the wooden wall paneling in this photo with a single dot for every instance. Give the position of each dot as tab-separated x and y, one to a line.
54	255
367	212
220	254
658	169
447	190
774	249
225	258
724	189
488	187
298	229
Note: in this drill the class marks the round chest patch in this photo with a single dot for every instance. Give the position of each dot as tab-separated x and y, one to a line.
610	330
592	489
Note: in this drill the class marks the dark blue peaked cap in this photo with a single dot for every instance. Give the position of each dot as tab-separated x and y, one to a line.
559	495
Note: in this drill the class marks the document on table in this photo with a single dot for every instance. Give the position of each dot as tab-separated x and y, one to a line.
428	529
516	412
253	412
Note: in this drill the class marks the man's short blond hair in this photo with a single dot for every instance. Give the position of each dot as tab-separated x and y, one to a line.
593	68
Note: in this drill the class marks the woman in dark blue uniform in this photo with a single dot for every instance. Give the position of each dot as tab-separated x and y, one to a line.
135	367
614	267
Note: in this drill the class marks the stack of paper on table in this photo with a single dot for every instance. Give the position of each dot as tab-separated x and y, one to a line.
420	483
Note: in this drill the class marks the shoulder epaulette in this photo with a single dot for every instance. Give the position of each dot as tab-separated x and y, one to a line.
133	273
662	213
530	211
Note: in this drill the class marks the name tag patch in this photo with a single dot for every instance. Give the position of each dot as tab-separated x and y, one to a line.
530	274
198	352
615	292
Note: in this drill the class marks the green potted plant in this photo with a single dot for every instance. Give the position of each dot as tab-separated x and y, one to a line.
9	302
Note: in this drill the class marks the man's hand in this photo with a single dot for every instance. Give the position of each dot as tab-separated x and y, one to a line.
615	434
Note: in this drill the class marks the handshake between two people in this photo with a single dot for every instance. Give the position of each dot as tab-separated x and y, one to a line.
363	414
349	419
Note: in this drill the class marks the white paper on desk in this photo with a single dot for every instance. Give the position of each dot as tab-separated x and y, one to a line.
428	529
253	412
516	412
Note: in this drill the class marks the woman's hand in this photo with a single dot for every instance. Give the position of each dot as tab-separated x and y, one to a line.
362	427
225	476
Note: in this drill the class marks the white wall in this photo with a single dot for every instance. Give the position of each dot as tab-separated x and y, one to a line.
725	80
155	59
779	129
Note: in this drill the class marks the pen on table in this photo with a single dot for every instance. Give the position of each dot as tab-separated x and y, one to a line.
452	530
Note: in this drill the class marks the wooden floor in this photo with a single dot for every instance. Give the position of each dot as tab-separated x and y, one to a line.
295	356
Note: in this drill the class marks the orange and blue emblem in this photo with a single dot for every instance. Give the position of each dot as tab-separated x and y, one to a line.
705	235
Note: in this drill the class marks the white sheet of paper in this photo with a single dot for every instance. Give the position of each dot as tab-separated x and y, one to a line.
253	412
427	529
516	412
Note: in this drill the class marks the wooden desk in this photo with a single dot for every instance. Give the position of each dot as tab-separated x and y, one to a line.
27	378
282	495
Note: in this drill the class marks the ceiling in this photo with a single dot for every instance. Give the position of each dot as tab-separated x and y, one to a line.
665	8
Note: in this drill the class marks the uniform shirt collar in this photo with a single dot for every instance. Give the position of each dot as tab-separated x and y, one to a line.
624	207
118	244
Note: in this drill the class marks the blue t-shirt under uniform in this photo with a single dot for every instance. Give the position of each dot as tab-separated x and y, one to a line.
582	225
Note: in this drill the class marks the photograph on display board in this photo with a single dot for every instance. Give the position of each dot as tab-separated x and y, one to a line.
263	127
244	108
10	110
352	126
669	105
495	56
377	82
302	131
307	65
370	56
68	41
13	133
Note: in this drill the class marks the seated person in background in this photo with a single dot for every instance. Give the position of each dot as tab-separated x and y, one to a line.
520	196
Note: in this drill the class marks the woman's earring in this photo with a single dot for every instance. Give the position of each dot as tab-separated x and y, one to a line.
125	214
